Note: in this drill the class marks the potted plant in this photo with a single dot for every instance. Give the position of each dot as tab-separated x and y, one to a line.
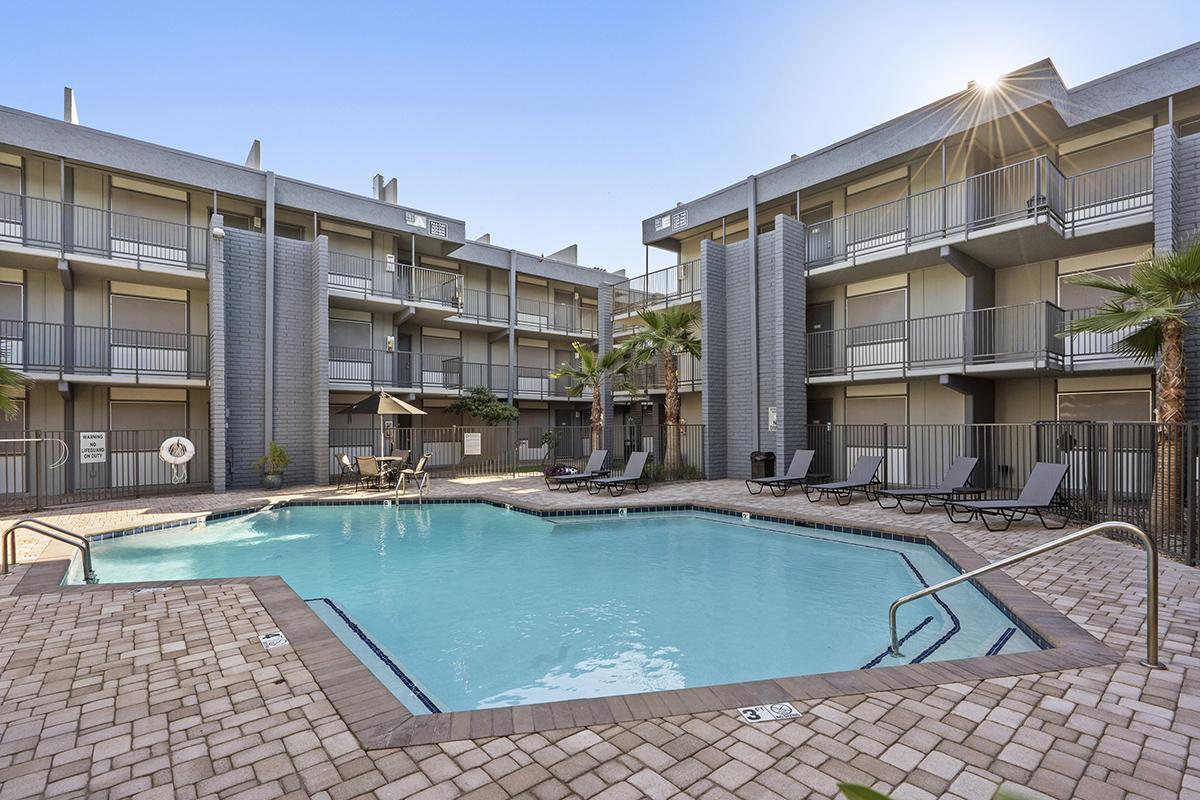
272	465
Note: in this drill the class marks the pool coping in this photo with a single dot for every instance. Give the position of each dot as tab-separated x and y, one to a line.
378	719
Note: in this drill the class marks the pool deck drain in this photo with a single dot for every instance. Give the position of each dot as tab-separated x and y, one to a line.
174	700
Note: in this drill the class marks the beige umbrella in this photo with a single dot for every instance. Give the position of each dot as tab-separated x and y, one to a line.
382	404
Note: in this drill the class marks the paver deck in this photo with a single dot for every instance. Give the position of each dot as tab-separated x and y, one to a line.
106	693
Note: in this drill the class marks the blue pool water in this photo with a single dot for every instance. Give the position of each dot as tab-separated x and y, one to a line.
479	607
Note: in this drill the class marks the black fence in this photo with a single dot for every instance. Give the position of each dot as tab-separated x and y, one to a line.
44	468
461	451
1138	472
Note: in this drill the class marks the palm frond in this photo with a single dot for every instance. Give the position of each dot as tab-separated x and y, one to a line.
1143	344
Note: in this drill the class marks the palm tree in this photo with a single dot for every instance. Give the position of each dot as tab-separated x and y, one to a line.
9	381
588	372
1162	291
666	335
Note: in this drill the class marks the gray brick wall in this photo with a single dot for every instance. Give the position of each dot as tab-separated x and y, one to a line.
1166	188
294	397
319	362
1187	222
216	355
713	409
245	288
789	353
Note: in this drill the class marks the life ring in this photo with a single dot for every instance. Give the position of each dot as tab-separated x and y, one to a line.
177	450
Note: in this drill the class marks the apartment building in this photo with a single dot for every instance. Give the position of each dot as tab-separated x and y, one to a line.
918	273
147	290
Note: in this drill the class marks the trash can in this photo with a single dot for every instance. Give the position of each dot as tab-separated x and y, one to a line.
762	464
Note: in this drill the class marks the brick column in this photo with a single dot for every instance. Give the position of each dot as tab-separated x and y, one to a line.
713	408
604	307
785	366
216	352
319	262
1166	188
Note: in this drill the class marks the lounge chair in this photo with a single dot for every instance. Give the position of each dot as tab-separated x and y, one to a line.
954	485
796	475
415	473
369	474
1037	495
634	467
593	469
349	471
861	479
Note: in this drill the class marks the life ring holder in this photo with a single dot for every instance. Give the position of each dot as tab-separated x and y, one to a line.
177	451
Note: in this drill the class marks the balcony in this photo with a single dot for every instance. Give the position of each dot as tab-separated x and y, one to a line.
651	378
1003	340
366	368
484	307
1009	199
366	278
557	318
51	350
68	228
676	285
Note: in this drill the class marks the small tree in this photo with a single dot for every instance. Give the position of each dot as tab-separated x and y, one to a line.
589	372
1154	304
481	403
275	460
666	335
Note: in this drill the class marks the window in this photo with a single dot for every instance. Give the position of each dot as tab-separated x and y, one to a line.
349	333
150	206
289	231
870	414
153	421
1189	127
867	309
148	314
12	305
1107	154
1109	406
1072	296
10	179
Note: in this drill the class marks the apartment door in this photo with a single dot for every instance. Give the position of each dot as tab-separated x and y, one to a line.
819	321
818	228
820	435
564	310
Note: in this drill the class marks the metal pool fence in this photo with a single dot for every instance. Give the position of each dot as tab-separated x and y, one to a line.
39	468
462	451
1139	472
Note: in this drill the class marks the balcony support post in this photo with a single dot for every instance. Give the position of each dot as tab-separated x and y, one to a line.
512	324
68	335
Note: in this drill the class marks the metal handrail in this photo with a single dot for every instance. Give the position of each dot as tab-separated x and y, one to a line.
8	545
1151	659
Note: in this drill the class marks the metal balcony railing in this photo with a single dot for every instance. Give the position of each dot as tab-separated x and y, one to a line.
485	306
675	285
956	342
540	315
73	228
1031	189
50	347
387	278
652	376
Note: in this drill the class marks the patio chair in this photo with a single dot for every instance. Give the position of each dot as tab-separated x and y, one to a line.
593	469
368	472
635	466
415	473
796	475
861	479
956	483
1037	495
349	471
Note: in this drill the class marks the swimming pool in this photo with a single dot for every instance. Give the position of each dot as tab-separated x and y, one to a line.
469	606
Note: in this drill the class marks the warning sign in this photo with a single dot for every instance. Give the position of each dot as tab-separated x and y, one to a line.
93	447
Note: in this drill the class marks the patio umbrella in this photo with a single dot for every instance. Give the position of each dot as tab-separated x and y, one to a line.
382	404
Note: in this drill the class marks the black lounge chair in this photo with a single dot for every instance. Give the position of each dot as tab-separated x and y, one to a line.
861	479
1037	495
634	467
796	475
593	469
954	484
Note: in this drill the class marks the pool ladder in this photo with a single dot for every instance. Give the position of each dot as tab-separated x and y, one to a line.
1151	659
8	545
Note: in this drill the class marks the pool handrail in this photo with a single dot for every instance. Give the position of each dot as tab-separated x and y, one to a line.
8	544
1151	659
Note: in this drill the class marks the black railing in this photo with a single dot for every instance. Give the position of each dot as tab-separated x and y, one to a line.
384	369
1138	472
540	315
988	338
366	276
674	285
41	347
73	228
43	468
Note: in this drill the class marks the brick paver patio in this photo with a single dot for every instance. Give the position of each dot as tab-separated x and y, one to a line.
111	694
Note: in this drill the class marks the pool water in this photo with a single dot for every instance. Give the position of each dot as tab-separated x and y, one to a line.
471	606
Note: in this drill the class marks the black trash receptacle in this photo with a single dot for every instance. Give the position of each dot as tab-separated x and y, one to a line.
762	464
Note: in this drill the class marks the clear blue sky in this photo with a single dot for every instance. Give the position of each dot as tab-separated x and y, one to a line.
542	123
